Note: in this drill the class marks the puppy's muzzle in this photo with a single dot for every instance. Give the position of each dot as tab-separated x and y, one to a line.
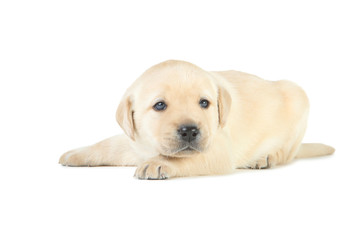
188	133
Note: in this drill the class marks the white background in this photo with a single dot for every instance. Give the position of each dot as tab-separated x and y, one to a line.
64	66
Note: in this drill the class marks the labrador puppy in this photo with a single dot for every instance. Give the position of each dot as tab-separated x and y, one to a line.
180	120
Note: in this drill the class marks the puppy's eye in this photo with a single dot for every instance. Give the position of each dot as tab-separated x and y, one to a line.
204	103
159	106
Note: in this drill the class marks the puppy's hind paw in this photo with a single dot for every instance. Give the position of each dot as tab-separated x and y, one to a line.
263	163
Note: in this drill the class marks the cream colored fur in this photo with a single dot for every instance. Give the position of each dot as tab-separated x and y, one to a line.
250	123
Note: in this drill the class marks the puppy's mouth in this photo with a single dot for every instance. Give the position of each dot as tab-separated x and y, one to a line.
188	148
184	150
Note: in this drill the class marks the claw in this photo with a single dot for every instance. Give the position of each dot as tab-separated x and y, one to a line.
143	176
267	163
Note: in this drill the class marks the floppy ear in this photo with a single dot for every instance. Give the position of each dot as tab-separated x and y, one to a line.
224	105
125	117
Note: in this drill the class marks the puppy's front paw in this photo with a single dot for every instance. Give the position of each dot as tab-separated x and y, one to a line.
74	158
153	170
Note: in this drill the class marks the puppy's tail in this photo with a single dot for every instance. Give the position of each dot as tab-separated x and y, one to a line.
308	150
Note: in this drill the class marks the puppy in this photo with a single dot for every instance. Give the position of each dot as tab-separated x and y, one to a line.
180	120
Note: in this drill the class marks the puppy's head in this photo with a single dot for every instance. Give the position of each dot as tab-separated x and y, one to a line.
175	108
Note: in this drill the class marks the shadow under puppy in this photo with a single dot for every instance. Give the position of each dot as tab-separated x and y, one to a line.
180	120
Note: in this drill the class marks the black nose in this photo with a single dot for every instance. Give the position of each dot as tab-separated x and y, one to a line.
188	133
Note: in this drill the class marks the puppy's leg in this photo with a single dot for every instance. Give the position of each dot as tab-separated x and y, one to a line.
161	167
114	151
279	157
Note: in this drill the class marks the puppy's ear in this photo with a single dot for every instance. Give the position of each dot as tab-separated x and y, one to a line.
125	117
224	105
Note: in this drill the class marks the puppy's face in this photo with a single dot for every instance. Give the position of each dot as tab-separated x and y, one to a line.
175	110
